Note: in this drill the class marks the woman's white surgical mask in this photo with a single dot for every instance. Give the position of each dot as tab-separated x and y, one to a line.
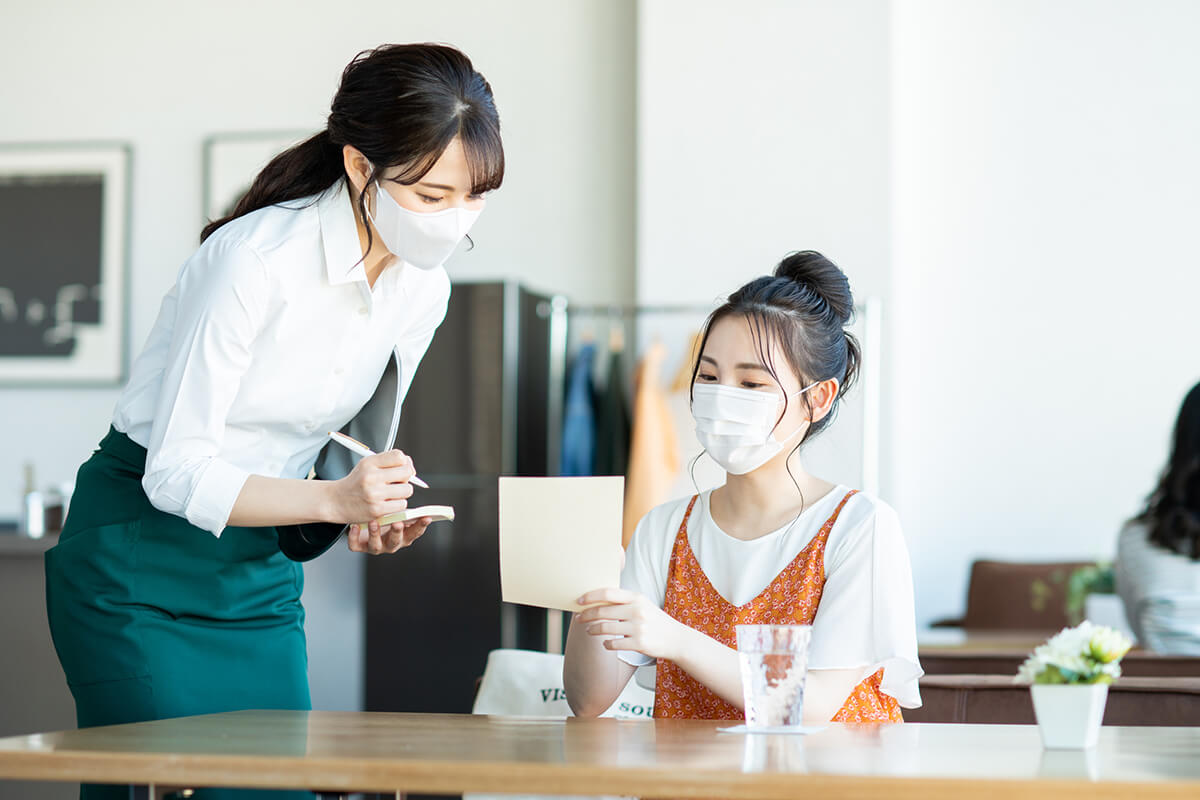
736	426
424	240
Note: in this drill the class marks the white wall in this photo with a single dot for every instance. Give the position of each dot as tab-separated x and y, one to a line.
1017	181
165	77
1045	211
762	129
563	77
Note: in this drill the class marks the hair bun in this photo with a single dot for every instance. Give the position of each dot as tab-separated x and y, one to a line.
818	274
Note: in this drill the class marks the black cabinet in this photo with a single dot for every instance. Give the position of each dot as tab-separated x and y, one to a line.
478	408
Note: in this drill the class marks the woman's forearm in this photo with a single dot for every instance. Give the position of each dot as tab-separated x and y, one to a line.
716	666
826	691
711	663
283	501
593	676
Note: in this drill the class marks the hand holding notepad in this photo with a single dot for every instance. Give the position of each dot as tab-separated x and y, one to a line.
435	514
559	538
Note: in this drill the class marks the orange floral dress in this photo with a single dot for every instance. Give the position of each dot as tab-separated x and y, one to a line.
790	599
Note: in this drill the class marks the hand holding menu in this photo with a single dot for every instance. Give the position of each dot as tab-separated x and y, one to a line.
559	538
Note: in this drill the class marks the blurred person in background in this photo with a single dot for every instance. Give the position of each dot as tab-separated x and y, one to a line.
1158	551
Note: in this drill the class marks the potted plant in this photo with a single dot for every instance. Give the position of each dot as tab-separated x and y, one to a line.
1068	678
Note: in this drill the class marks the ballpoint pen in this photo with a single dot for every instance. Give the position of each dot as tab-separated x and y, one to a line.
355	446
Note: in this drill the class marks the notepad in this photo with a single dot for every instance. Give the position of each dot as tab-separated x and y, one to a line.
435	513
559	538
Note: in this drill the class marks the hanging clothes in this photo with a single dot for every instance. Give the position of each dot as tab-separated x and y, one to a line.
579	416
612	415
653	449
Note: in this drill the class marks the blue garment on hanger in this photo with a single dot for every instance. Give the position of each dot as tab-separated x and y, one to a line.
579	416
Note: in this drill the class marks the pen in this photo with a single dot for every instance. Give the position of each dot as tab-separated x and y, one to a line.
355	446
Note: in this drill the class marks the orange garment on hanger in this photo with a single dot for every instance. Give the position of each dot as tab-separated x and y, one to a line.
653	459
790	599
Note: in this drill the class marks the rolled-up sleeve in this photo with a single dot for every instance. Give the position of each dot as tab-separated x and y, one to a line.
220	305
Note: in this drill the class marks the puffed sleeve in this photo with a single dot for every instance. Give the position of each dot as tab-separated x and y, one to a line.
866	617
220	302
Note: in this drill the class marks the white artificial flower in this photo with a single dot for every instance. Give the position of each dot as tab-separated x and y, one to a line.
1083	654
1109	645
1029	670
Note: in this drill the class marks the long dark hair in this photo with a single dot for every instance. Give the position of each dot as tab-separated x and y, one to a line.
1173	508
803	308
400	105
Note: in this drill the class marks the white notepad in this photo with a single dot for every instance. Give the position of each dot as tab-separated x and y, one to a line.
435	513
559	538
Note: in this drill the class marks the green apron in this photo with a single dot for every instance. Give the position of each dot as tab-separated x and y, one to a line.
154	618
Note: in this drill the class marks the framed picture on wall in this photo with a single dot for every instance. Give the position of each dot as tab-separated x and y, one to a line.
231	160
64	218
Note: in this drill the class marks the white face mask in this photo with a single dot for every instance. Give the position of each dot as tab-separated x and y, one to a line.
736	426
423	240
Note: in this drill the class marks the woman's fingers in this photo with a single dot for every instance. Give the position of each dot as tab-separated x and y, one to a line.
390	458
375	542
357	538
609	596
404	534
396	476
611	628
622	611
371	537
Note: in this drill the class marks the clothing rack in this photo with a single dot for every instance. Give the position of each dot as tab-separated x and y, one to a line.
560	304
560	311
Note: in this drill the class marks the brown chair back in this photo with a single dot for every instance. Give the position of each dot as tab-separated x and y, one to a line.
1016	596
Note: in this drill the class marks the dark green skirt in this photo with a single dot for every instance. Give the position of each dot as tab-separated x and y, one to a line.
154	618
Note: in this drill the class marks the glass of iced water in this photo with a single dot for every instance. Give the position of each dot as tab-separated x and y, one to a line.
774	661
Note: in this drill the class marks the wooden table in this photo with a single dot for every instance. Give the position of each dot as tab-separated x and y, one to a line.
450	754
957	652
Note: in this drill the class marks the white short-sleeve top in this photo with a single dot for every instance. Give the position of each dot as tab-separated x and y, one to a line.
866	617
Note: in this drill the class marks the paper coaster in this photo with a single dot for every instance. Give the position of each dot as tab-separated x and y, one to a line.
794	730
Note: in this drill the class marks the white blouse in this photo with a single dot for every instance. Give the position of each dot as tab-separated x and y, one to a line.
270	338
866	617
1161	592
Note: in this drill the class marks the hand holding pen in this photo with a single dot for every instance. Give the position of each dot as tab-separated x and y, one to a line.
379	485
355	446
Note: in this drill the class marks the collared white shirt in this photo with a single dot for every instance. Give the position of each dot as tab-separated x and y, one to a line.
866	617
270	338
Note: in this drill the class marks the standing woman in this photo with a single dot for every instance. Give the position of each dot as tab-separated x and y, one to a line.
168	594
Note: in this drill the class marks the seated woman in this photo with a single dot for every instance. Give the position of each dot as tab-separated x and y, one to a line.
1158	552
774	544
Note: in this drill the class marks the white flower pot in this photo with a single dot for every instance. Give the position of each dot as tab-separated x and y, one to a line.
1069	716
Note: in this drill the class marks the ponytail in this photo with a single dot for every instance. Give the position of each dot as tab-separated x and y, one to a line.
306	169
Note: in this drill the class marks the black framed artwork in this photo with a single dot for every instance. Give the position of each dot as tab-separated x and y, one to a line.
64	212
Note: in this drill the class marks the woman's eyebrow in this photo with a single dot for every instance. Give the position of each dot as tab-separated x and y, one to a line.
743	365
441	186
